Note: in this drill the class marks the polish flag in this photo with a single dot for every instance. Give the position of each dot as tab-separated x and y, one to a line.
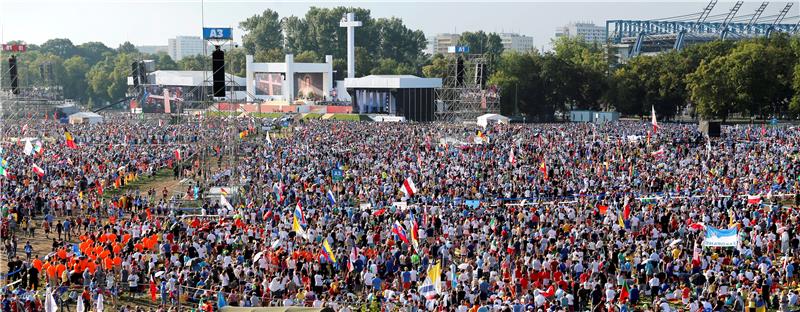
511	157
753	199
38	170
409	188
178	154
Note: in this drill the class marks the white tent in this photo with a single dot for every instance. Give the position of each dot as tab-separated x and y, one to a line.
487	119
85	117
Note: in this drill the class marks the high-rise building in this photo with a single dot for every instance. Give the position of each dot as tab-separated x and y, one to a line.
588	31
183	46
441	42
516	42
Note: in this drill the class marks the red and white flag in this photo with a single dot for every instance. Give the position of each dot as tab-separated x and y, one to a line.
511	157
409	188
753	199
178	154
653	119
38	170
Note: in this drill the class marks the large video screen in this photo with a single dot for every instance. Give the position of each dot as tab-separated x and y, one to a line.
269	84
308	86
155	99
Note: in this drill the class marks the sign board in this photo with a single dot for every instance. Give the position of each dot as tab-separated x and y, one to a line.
458	49
337	175
14	48
216	33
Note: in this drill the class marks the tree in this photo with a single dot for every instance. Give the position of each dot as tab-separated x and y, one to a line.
262	32
399	43
307	57
60	47
236	62
437	68
127	48
196	62
388	66
295	30
75	83
481	43
165	62
271	55
711	89
93	52
519	77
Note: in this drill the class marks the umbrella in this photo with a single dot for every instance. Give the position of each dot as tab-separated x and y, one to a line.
463	266
258	256
675	242
159	273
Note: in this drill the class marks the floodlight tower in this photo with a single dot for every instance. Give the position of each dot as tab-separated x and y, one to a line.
349	21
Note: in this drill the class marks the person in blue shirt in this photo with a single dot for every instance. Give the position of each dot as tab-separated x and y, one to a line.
376	283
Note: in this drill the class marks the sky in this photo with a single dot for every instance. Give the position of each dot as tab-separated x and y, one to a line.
152	22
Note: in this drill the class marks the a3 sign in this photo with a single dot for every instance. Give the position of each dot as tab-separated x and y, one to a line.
215	33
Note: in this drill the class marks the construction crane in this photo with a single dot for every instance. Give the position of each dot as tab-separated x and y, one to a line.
779	18
707	11
728	19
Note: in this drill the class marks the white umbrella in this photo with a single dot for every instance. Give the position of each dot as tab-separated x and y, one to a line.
159	273
463	266
258	256
675	242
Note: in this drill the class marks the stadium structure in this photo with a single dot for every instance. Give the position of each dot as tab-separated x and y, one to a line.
634	37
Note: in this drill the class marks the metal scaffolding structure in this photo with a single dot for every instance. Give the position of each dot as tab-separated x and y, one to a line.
641	36
465	94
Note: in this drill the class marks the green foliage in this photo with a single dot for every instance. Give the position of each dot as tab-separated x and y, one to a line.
262	32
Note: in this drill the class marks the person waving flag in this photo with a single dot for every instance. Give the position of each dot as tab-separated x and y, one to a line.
69	140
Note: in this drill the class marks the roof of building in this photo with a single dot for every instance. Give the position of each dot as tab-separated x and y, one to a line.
392	81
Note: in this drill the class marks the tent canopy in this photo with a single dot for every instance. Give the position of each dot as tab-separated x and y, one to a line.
485	119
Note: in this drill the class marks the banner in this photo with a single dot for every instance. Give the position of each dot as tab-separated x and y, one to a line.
721	238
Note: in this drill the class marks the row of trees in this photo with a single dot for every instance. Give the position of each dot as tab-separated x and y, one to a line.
720	79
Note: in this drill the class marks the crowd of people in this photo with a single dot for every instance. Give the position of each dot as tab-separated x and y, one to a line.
401	216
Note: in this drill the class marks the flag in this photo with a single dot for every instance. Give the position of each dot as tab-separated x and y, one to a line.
153	290
223	191
543	169
398	230
408	187
414	231
653	119
331	198
658	153
431	286
38	170
221	300
297	228
620	221
178	154
49	303
80	307
378	212
623	294
721	238
278	191
754	199
602	208
69	140
3	167
99	303
511	158
696	254
224	203
28	150
37	148
269	141
298	213
353	259
328	251
626	212
480	135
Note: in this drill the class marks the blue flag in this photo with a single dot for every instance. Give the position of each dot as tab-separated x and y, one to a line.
221	300
331	198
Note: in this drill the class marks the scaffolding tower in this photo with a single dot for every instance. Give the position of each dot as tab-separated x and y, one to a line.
465	93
